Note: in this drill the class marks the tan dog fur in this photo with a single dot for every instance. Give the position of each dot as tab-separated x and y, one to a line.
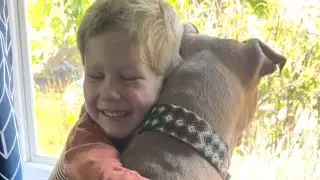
218	81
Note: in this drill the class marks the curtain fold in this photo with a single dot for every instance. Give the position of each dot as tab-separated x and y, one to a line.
10	156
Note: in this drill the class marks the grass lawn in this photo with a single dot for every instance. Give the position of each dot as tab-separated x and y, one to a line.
55	119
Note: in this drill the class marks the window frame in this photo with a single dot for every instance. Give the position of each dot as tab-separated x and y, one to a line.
23	86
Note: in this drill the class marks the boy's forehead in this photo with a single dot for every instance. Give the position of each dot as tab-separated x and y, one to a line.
112	49
108	40
110	45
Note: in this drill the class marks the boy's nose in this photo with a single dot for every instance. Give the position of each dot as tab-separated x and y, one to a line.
110	90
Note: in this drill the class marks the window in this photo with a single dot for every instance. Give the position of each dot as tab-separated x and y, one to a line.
47	77
48	74
56	71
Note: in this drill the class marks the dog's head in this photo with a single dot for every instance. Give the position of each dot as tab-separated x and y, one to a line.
224	75
249	61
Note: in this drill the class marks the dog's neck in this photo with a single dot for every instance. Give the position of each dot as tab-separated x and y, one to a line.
217	100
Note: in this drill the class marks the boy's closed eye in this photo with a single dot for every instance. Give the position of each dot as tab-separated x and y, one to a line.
130	77
96	76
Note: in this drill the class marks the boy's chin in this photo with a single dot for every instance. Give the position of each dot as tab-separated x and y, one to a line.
115	134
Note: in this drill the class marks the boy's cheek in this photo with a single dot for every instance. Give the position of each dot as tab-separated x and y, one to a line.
90	95
89	87
160	81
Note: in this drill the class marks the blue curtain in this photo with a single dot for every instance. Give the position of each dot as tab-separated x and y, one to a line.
10	156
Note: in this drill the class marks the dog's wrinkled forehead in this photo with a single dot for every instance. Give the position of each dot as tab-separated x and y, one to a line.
249	60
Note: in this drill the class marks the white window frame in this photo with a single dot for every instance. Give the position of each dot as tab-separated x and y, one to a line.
23	86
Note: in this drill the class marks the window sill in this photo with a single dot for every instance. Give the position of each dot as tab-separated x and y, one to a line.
36	171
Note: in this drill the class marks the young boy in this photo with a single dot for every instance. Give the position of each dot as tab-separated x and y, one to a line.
127	48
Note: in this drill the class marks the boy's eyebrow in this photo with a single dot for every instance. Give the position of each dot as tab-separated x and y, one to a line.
94	66
132	66
129	70
90	63
128	67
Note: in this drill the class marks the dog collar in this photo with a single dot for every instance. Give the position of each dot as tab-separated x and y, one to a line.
189	128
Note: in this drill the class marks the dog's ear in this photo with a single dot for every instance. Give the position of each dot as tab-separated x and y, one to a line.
189	28
269	59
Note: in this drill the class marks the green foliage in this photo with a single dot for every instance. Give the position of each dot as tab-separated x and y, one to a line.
53	26
286	129
259	7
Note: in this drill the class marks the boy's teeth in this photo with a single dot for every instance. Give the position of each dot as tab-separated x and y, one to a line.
113	114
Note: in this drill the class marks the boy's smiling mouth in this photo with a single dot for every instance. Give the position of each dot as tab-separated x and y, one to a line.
115	114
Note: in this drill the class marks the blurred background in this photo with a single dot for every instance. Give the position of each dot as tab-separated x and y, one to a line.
284	140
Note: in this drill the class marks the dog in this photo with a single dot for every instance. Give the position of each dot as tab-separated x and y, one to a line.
218	81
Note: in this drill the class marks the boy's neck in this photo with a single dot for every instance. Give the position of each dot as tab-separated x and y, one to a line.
121	144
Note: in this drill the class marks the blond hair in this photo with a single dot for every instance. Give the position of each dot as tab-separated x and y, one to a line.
153	24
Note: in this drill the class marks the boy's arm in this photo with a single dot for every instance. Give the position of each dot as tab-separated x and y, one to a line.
88	155
95	167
